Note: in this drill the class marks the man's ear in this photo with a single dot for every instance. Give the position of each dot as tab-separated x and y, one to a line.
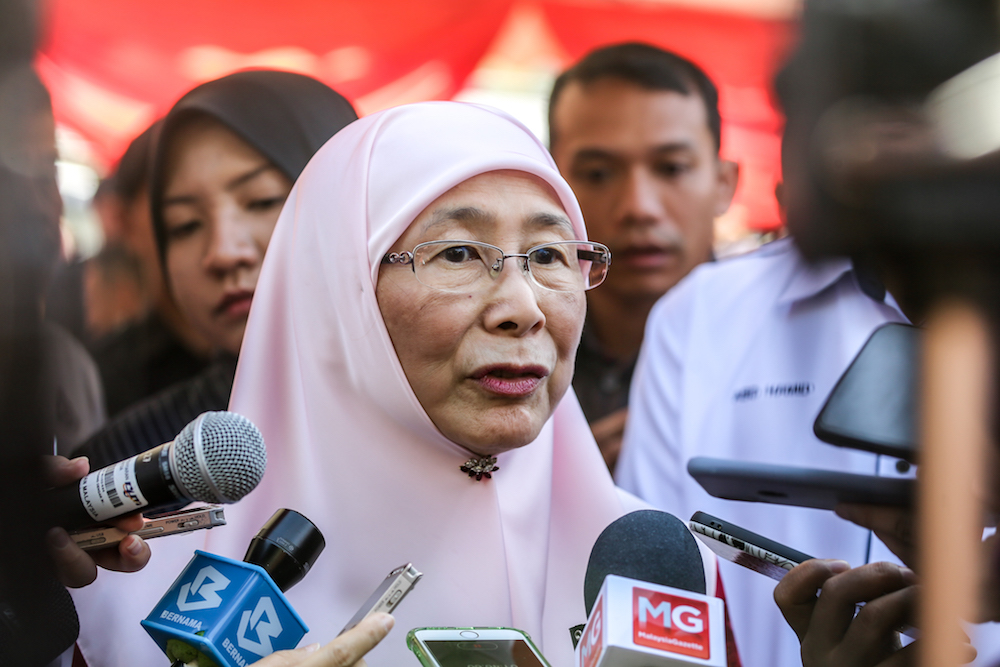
728	178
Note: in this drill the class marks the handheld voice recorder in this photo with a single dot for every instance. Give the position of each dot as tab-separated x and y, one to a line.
184	521
388	595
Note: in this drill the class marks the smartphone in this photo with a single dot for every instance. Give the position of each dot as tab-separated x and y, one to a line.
482	647
874	405
802	487
744	547
184	521
388	595
755	552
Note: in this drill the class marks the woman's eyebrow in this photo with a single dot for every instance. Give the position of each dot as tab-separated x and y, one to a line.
551	220
249	175
466	214
478	217
232	184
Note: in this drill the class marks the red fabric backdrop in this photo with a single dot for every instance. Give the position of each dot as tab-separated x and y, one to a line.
113	66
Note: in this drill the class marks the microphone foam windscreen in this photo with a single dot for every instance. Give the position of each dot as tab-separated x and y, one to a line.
647	545
220	457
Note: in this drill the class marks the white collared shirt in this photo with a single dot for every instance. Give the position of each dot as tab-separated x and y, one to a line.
736	363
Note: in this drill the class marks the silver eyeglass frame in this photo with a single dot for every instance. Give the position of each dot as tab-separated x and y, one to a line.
602	255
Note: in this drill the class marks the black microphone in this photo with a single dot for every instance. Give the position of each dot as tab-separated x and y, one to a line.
217	458
645	596
227	612
647	545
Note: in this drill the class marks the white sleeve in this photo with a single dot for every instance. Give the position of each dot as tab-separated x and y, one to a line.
651	464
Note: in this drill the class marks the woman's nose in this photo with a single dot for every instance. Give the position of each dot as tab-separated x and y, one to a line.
513	301
231	244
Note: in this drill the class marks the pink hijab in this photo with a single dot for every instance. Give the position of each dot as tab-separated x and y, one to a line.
349	444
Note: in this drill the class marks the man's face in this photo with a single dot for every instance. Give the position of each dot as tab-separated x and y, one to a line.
645	169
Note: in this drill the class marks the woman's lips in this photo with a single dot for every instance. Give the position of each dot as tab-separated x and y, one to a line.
510	380
235	304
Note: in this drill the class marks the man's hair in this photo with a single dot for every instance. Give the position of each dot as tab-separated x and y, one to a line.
648	67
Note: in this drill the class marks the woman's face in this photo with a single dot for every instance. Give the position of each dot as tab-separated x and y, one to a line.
221	202
488	366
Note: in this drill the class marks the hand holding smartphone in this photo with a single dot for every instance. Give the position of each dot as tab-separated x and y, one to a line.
184	521
753	551
388	595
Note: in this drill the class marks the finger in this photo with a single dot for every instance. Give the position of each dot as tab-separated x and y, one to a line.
128	523
874	630
131	555
840	594
893	525
795	594
74	567
290	658
350	647
908	656
60	471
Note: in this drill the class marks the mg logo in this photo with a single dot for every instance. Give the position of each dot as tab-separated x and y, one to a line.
206	585
263	622
670	623
591	643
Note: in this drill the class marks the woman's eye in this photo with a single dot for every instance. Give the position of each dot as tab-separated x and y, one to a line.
460	253
544	256
183	230
266	204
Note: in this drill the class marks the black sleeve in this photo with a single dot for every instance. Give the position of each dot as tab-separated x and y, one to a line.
160	418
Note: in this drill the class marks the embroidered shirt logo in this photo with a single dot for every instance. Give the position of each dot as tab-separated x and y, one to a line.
789	390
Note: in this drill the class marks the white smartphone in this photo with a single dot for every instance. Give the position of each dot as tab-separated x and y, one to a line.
483	647
744	547
388	595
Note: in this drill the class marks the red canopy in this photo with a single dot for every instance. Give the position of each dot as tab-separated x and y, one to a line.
113	66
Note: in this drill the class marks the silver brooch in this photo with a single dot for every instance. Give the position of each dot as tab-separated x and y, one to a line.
483	466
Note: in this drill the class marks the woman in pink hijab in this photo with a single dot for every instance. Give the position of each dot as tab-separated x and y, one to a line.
406	329
379	370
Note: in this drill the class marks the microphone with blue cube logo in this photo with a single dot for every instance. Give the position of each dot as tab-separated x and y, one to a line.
225	613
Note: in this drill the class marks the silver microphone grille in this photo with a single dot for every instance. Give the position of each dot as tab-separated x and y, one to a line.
219	457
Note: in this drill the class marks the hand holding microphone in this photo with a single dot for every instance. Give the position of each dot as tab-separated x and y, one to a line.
76	568
217	458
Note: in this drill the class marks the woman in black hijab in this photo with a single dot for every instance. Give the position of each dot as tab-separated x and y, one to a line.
224	161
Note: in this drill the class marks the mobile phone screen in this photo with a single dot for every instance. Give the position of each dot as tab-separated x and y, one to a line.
483	653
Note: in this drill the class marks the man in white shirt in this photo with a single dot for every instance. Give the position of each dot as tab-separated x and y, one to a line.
736	363
635	130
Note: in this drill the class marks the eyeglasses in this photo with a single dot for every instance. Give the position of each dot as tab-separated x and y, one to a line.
451	266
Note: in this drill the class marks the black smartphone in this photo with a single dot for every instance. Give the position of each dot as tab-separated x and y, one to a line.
802	487
874	405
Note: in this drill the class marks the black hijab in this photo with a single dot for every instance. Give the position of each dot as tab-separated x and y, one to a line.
285	117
